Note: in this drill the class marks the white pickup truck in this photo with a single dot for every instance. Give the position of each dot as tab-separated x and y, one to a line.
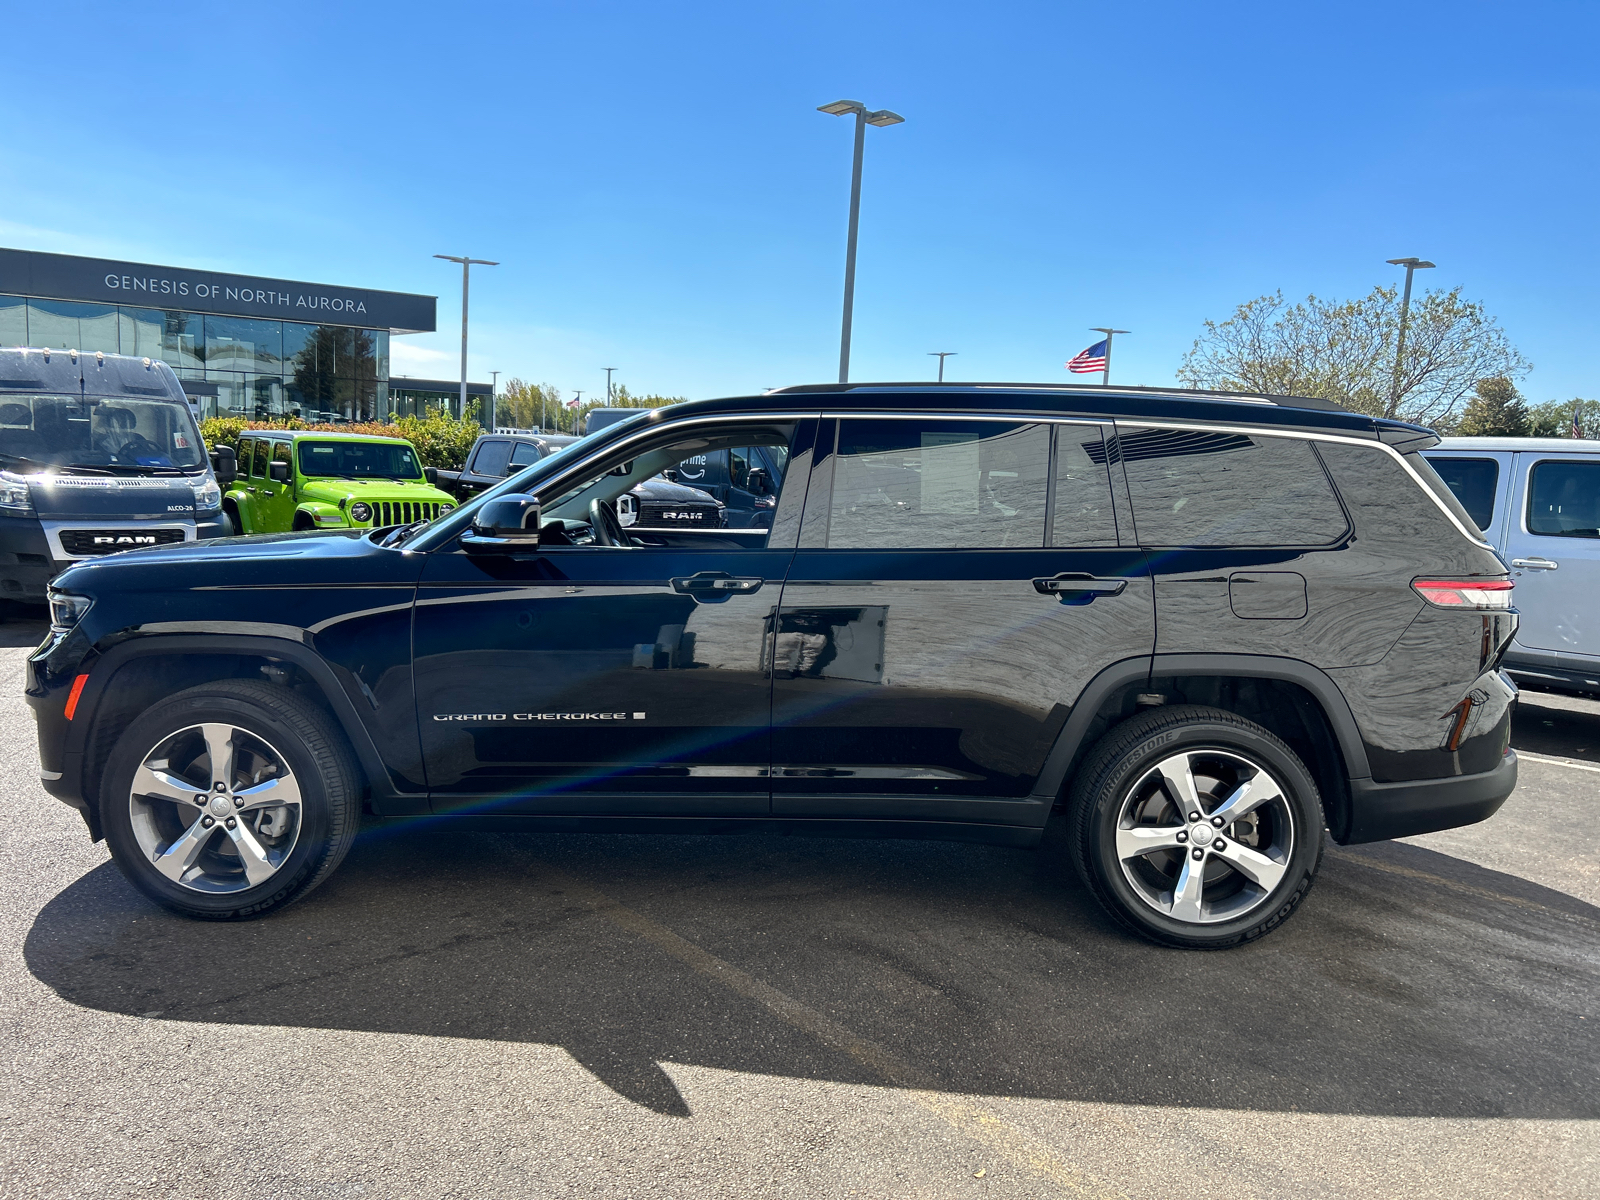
1538	501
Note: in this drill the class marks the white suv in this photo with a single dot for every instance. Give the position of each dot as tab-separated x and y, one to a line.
1538	500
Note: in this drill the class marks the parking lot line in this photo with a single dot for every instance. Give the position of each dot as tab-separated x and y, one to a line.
1557	762
981	1124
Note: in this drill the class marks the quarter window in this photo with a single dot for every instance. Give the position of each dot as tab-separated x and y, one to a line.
1564	499
939	485
1195	487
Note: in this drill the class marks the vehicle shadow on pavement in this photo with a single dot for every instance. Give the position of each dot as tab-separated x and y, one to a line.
1563	726
1410	984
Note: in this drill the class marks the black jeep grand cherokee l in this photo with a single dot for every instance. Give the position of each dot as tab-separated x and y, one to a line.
1205	627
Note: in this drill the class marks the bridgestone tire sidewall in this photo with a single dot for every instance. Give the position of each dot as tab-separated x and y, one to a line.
324	834
1096	809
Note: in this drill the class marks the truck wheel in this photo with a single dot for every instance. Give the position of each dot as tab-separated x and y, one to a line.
1196	828
230	799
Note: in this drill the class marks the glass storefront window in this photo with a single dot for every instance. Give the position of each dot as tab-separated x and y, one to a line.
68	325
142	332
13	321
363	359
380	350
237	344
233	399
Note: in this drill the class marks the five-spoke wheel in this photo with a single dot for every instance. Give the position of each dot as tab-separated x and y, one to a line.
1196	827
230	799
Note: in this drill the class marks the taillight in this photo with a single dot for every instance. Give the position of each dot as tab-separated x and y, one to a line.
1492	594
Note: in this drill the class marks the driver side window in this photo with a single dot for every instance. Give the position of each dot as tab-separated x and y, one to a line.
646	501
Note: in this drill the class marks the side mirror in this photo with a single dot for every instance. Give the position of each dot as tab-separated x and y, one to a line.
502	524
279	472
224	465
431	475
670	474
756	481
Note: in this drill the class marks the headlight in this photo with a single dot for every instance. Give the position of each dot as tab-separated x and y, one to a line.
360	512
66	610
207	495
14	494
444	508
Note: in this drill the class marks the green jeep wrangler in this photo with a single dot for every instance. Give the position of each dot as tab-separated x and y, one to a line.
291	480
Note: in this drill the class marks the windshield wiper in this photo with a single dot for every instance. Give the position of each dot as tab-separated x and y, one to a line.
33	462
129	468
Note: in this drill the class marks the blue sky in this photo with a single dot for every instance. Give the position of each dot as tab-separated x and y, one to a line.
665	199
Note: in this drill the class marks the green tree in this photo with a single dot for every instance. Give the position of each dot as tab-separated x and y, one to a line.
1497	410
621	397
527	405
1344	351
1555	418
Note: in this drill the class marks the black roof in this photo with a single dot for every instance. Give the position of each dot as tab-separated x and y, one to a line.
1086	400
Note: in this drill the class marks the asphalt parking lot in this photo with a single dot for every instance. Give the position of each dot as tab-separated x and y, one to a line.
475	1015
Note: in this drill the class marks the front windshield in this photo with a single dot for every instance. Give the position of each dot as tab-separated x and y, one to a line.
98	433
360	460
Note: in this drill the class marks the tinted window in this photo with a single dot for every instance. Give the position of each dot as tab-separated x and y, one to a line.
1472	481
1198	488
1082	513
260	467
1564	499
943	485
524	454
280	452
491	458
359	460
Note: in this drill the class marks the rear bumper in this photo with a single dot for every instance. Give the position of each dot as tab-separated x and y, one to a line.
1391	810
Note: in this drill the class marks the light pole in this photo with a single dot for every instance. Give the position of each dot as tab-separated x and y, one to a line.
608	371
1411	265
577	407
1105	376
863	118
494	409
941	355
466	267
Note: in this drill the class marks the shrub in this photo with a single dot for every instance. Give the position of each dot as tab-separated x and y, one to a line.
441	441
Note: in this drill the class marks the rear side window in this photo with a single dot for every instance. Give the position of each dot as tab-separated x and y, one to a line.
1195	487
939	485
259	470
1081	513
491	458
1564	499
524	454
1472	481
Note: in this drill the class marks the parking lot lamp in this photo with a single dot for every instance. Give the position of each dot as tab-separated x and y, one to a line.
466	269
864	118
608	371
941	355
1411	265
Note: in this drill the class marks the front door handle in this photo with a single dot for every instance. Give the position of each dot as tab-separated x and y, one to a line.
1535	564
1068	584
715	585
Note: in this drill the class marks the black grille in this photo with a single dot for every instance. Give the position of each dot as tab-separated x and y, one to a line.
402	512
109	541
657	513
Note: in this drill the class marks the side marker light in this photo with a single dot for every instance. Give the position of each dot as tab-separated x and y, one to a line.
72	696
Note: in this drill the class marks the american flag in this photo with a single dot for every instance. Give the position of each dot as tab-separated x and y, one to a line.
1086	361
572	403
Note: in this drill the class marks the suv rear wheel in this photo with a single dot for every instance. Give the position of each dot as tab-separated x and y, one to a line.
1195	827
230	799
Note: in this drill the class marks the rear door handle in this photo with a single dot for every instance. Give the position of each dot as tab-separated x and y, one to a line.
1076	584
1535	564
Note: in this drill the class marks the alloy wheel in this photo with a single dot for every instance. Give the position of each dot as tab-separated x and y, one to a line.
215	808
1205	836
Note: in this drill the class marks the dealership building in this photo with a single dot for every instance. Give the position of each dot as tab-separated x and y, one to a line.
244	346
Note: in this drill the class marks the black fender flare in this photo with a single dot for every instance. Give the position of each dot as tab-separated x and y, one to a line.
1149	669
283	643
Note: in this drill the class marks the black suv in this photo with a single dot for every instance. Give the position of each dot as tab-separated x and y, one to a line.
1202	627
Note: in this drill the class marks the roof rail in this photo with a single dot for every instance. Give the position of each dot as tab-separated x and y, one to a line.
1084	389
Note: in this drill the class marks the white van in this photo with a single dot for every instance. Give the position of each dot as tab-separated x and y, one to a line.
1538	501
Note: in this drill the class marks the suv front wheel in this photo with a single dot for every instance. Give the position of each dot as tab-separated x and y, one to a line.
1195	827
230	799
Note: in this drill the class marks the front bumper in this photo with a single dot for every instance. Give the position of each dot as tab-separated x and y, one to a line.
1379	811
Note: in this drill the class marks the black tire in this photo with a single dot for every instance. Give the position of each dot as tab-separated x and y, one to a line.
1124	766
324	772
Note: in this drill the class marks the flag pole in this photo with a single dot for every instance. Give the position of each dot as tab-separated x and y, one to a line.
1105	375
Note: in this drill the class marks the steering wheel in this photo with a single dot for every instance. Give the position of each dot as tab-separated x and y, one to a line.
607	529
138	445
